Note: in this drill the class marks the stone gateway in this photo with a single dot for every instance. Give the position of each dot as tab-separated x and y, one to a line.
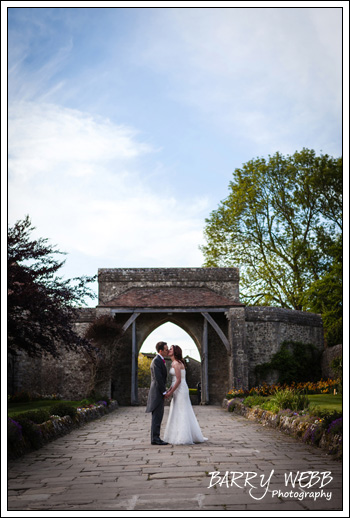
231	338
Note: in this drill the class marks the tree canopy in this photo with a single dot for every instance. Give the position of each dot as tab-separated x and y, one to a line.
281	224
41	304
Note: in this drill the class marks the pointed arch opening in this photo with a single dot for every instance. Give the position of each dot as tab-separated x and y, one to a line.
173	334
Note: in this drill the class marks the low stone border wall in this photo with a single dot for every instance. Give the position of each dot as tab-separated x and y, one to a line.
301	427
59	426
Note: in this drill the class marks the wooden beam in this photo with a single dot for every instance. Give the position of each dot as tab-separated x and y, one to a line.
134	358
212	322
205	380
130	321
170	310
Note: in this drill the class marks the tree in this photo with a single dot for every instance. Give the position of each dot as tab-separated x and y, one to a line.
41	304
105	334
144	371
280	224
325	297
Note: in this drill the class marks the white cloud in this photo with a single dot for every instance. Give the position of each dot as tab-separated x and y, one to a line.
43	137
269	76
82	183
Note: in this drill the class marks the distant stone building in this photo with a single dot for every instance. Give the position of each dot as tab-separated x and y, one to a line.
231	338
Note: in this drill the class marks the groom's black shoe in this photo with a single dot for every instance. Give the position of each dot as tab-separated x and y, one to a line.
159	442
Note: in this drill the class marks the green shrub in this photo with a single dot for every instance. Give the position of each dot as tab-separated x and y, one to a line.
271	406
30	431
20	397
95	397
62	409
291	399
86	402
295	362
251	401
37	416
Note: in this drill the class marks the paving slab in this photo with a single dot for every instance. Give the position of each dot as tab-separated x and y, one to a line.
110	465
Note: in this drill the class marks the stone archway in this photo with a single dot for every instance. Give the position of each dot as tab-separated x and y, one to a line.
232	339
202	301
142	337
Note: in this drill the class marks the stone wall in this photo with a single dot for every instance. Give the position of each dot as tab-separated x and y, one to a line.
114	281
267	328
255	334
69	376
218	365
193	372
330	354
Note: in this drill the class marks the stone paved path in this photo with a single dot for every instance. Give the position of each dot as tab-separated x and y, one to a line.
110	465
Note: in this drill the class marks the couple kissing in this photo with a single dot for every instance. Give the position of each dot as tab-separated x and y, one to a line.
182	426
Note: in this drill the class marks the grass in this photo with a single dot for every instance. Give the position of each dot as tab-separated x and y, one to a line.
18	408
326	401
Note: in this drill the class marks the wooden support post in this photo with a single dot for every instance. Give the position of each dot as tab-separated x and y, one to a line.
130	321
134	358
218	330
205	381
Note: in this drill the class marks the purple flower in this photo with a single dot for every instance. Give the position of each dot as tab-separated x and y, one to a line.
336	426
14	429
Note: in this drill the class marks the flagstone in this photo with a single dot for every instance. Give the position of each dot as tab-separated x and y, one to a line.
108	467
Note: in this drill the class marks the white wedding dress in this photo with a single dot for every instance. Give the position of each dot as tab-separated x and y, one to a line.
182	426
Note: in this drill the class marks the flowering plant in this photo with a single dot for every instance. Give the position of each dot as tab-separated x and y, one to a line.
14	431
336	427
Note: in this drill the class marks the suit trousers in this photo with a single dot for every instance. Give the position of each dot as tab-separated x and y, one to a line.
157	417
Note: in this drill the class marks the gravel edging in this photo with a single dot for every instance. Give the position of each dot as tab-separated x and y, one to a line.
304	428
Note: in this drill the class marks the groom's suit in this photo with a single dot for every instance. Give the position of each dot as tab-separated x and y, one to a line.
155	402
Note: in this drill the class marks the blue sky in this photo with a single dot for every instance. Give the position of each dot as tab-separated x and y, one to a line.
125	124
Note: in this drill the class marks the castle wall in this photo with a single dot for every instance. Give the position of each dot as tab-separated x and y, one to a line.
267	328
69	375
255	334
114	281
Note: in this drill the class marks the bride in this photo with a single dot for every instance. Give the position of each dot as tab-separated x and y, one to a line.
182	426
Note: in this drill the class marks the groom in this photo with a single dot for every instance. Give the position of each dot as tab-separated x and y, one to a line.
155	402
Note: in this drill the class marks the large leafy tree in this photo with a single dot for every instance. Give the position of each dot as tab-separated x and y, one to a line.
282	225
40	303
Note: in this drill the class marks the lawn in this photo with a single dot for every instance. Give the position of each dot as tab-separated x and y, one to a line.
326	401
18	408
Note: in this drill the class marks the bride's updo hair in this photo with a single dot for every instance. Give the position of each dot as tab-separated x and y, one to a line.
178	354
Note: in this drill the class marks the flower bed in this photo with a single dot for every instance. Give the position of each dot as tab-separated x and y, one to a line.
309	429
28	436
318	387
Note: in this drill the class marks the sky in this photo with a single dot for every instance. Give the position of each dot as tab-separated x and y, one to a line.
126	124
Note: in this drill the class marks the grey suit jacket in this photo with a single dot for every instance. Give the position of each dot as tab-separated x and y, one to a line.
158	384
